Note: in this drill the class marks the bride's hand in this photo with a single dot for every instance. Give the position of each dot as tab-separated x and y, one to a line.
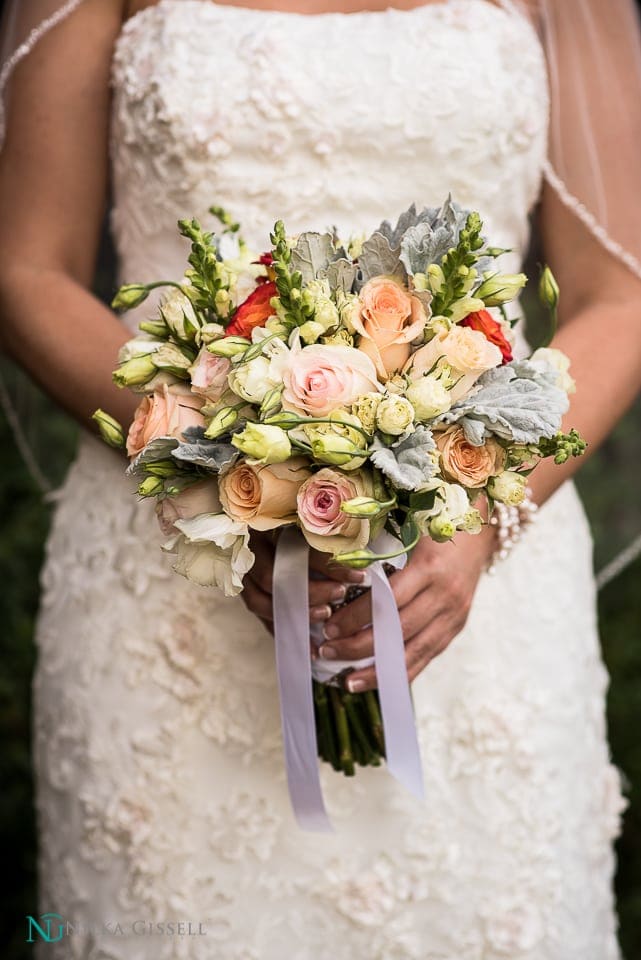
434	595
258	584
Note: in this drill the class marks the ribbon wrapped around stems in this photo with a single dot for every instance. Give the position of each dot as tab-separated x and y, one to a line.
294	669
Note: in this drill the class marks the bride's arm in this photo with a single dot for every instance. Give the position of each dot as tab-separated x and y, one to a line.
53	191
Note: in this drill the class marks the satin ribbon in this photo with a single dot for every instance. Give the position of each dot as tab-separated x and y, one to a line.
294	668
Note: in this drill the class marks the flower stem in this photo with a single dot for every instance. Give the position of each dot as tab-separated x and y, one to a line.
326	736
360	737
346	758
376	721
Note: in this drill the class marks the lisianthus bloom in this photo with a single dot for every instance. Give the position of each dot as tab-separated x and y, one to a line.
254	311
468	354
264	497
465	463
387	319
167	412
197	499
209	375
325	526
484	322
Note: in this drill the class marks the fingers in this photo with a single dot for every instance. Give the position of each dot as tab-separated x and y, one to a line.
349	648
256	600
350	619
324	564
418	652
324	592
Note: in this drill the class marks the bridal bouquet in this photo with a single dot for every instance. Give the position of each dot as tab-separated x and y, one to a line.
362	391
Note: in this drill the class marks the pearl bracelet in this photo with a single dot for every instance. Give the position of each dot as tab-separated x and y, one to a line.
511	523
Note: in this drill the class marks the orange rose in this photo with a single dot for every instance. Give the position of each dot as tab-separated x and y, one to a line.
484	322
466	464
264	497
387	318
164	413
254	311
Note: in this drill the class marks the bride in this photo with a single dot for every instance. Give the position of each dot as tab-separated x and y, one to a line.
164	821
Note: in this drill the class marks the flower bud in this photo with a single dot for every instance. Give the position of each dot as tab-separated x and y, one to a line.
365	409
136	371
498	288
150	487
356	560
110	430
262	442
222	301
435	278
508	487
221	422
271	400
548	289
210	332
170	357
129	296
394	415
441	528
229	346
178	313
364	507
336	450
161	468
156	328
429	398
311	331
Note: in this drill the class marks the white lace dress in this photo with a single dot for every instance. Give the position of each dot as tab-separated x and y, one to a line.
160	778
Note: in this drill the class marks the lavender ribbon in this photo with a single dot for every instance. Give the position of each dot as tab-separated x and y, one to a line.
294	668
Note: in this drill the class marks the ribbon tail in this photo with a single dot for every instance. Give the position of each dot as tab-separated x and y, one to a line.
293	666
401	740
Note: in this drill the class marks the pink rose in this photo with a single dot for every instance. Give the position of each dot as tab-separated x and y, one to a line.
200	498
323	523
320	378
388	320
209	375
167	412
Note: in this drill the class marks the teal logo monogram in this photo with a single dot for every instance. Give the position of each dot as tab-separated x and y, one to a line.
50	928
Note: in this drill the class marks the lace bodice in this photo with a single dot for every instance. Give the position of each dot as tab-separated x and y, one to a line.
326	119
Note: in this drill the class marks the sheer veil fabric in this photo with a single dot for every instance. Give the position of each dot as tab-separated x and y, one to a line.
593	52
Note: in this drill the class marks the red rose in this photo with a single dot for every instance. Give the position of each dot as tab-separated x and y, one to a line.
254	311
484	322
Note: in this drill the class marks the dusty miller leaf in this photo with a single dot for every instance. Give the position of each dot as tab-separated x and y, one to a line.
159	449
377	257
407	463
312	254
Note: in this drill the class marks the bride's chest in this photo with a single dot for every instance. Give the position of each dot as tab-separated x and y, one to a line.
199	82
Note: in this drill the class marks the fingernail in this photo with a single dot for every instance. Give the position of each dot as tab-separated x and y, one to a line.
355	686
327	653
320	613
356	576
338	593
330	631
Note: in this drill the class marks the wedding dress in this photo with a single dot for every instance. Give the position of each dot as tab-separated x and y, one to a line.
161	787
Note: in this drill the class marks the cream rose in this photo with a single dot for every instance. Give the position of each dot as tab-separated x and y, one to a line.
167	412
387	319
466	464
467	352
320	378
200	498
322	521
264	497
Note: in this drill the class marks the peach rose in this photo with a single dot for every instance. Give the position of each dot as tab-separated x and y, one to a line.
388	319
466	464
264	497
323	523
468	352
167	412
320	378
199	498
209	375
